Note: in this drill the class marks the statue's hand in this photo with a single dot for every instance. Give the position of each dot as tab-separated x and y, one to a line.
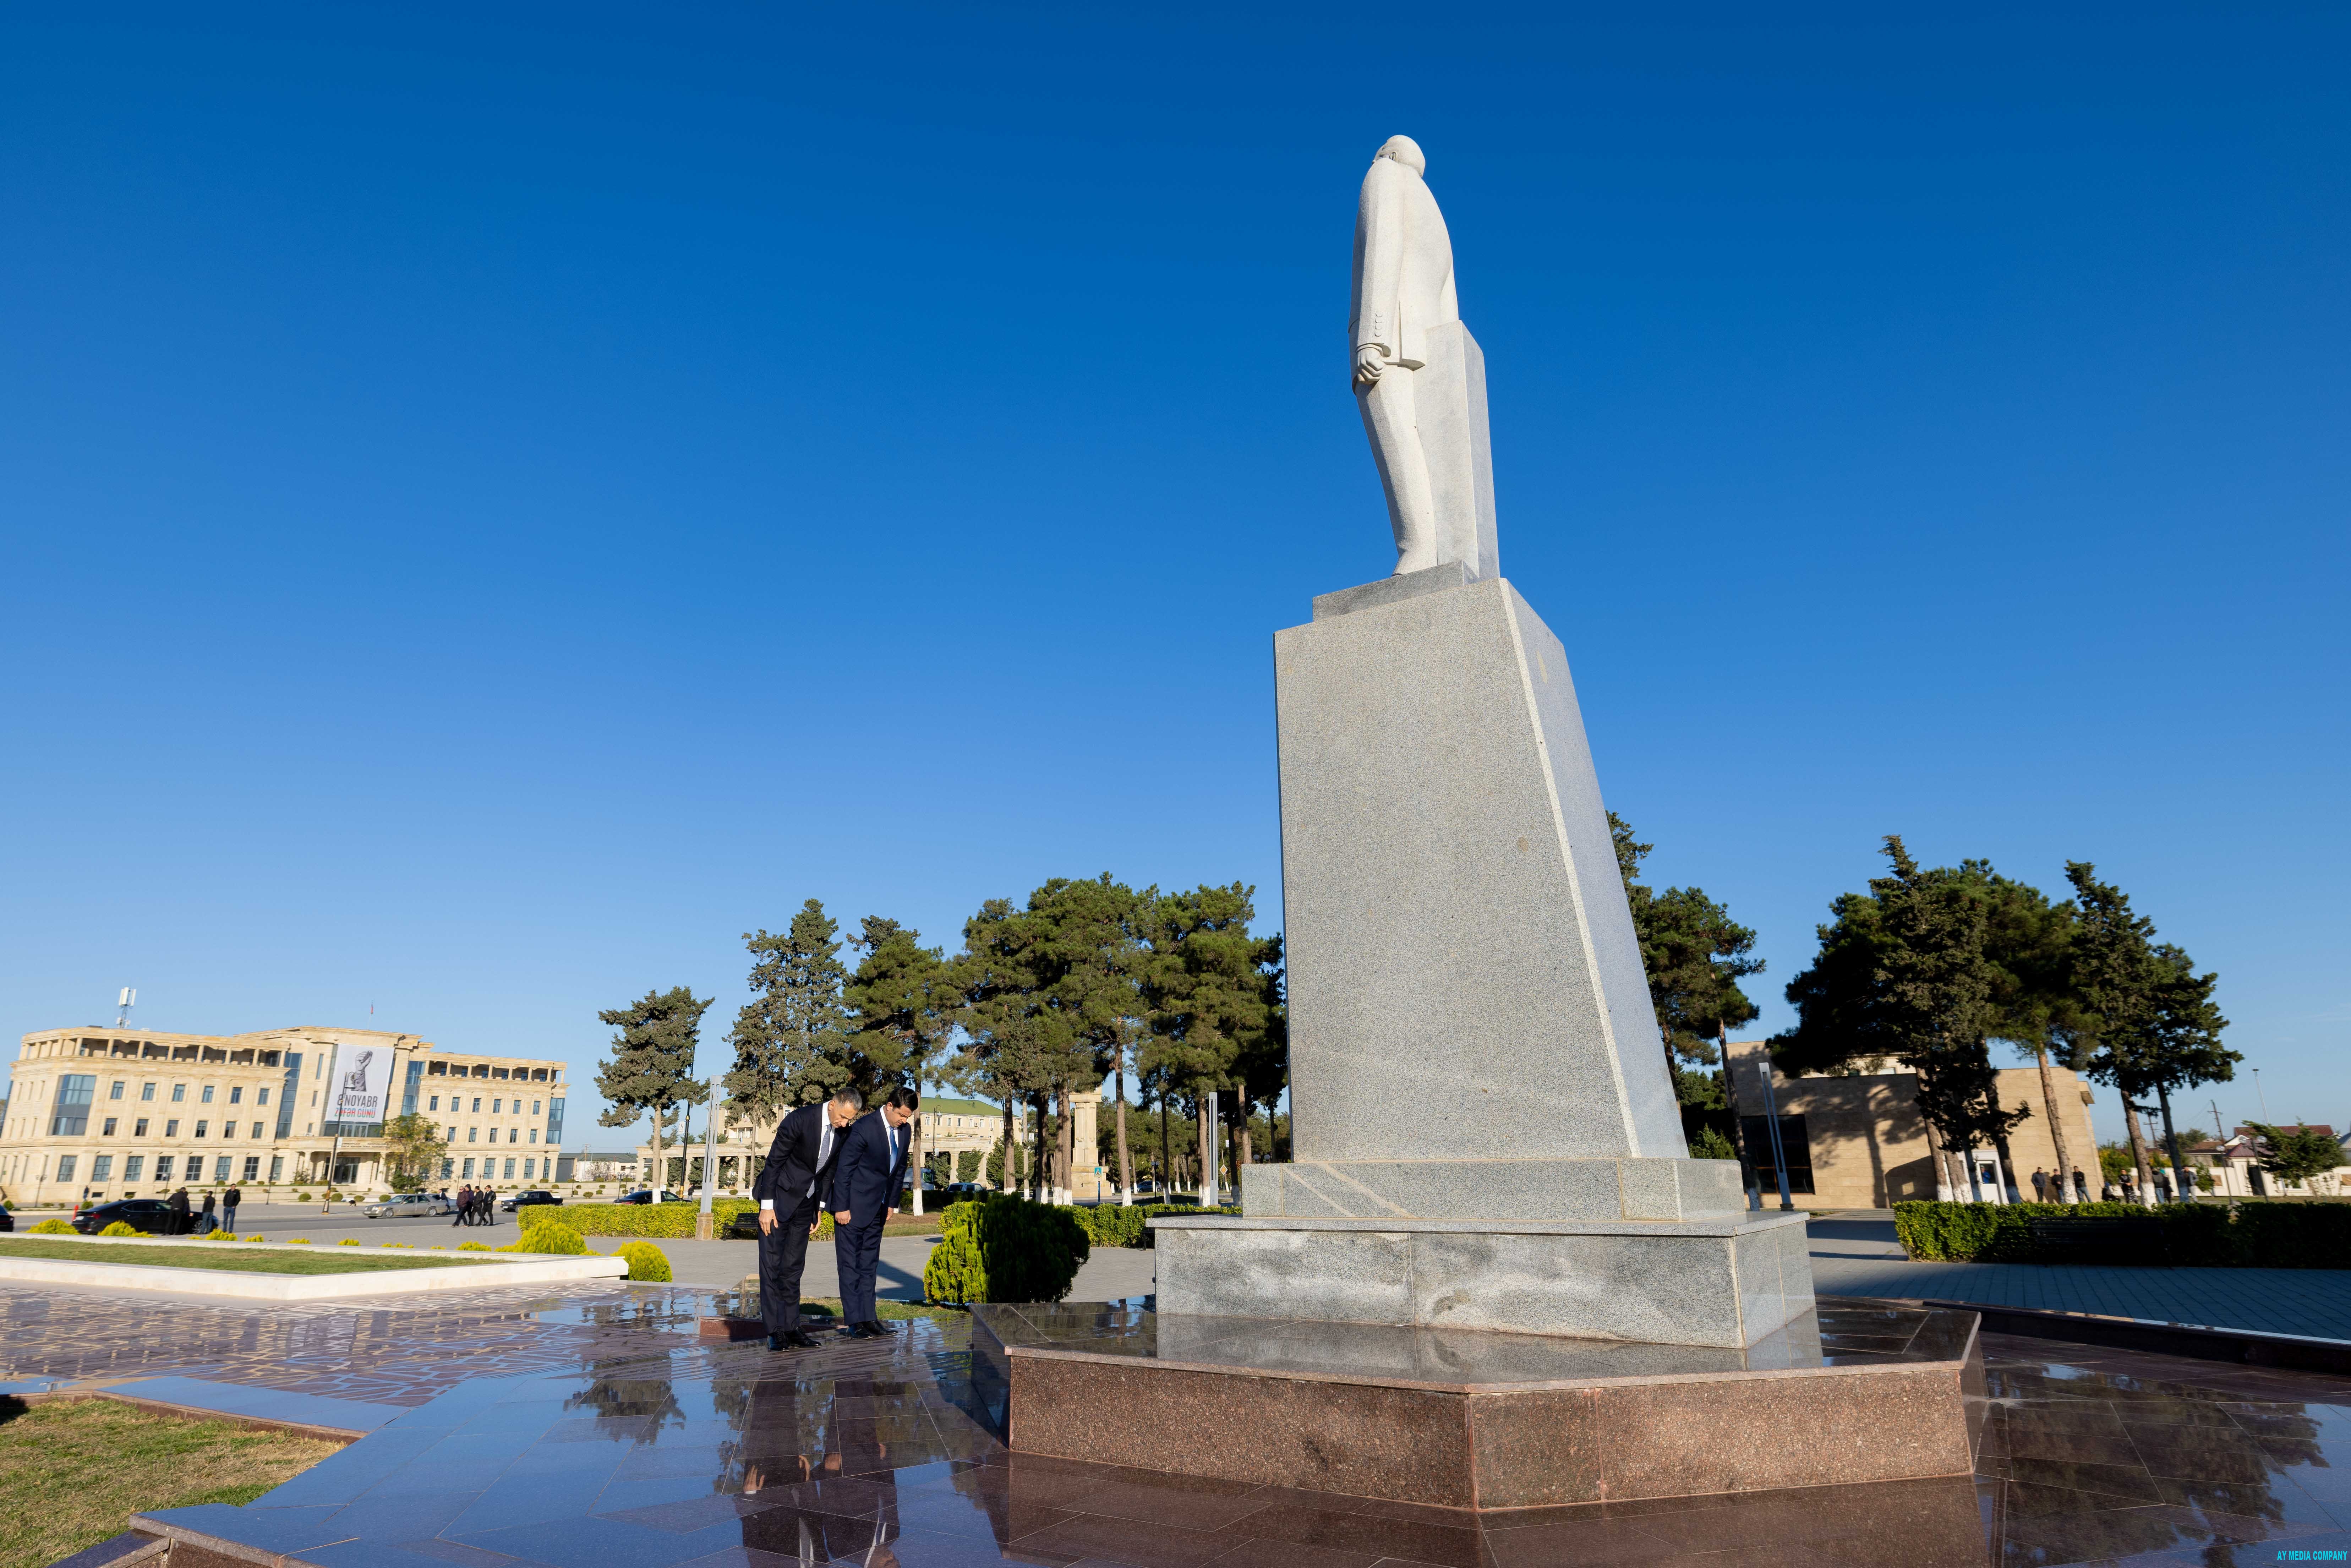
1369	360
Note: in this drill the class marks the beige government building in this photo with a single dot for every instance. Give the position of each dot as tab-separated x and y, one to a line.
1855	1140
120	1112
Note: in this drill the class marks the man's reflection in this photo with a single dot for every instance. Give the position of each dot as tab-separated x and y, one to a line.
843	1495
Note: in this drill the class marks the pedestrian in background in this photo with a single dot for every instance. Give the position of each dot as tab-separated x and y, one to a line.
178	1204
229	1200
205	1223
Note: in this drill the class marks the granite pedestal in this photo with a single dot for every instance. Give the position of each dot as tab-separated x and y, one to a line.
1846	1392
1484	1131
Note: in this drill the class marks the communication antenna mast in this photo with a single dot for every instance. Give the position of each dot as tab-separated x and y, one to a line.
122	1005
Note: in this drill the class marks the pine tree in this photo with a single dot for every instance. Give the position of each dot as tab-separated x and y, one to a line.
2146	1023
1213	995
1694	955
652	1067
1904	973
790	1039
901	1007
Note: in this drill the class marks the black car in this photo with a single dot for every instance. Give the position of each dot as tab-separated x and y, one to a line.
526	1199
151	1215
643	1196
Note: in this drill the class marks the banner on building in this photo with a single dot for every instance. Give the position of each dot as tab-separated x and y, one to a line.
359	1083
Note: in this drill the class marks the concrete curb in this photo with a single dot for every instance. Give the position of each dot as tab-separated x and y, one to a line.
2198	1342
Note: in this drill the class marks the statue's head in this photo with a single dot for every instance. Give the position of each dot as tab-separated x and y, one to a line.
1404	150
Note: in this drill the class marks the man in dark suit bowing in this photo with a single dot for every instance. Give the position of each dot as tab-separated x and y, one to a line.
794	1187
865	1191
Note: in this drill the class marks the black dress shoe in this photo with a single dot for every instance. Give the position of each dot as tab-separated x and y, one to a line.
777	1341
798	1340
876	1326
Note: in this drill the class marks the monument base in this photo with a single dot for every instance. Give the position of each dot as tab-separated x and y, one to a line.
1849	1391
1727	1282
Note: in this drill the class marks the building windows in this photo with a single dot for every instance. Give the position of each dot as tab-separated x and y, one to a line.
469	1169
107	1129
256	1133
496	1105
253	1167
146	1091
1756	1131
277	1167
347	1170
178	1093
434	1103
448	1167
162	1167
478	1103
534	1135
534	1107
132	1166
510	1170
171	1127
261	1096
206	1097
408	1091
65	1167
526	1169
514	1134
71	1117
116	1091
139	1128
555	1121
102	1168
236	1094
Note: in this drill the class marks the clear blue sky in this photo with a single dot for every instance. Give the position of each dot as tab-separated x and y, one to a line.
500	501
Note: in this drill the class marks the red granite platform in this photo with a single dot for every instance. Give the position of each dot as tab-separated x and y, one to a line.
1852	1392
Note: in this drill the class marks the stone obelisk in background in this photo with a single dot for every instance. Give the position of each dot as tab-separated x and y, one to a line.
1485	1133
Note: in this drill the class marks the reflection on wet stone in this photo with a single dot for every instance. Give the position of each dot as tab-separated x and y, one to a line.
603	1435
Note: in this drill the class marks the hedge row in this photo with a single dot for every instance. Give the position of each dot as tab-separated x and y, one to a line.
2195	1235
673	1220
1107	1225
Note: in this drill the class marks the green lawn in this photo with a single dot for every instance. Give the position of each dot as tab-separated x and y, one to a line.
223	1255
72	1473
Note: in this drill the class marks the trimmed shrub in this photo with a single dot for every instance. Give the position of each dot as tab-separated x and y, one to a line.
474	1247
53	1227
2200	1235
673	1221
647	1262
348	1241
542	1232
1005	1248
297	1241
119	1228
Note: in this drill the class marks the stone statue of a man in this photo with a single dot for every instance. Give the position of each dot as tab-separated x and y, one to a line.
1420	379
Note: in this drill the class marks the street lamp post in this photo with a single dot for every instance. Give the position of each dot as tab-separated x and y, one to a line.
705	1227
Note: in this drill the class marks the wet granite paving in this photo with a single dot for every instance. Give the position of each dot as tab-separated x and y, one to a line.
587	1427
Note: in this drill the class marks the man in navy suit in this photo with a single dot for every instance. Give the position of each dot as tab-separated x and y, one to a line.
793	1188
865	1188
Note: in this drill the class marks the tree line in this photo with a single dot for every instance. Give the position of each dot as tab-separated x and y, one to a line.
1931	967
1087	981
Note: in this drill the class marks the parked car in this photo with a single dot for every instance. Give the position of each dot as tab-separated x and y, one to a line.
150	1215
526	1199
403	1204
644	1195
7	1220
